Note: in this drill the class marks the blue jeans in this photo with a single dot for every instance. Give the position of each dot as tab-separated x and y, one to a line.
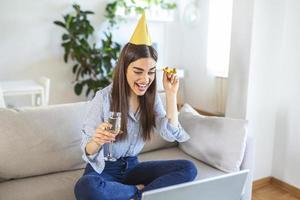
118	179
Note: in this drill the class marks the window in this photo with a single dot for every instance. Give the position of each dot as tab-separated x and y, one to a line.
219	35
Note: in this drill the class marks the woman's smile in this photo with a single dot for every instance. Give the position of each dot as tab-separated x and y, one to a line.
142	87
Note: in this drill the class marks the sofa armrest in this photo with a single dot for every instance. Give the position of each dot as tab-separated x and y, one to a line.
248	163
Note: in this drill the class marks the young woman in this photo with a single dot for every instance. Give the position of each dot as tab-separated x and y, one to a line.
133	93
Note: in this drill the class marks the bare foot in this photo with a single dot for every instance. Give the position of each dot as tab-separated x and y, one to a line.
140	186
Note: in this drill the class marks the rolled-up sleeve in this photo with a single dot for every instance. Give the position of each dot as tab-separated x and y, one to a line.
167	130
93	117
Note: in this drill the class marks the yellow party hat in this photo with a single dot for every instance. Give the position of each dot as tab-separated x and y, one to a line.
141	34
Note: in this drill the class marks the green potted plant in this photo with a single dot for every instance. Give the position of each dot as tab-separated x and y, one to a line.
93	66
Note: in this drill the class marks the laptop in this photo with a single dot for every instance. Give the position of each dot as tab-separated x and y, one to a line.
224	187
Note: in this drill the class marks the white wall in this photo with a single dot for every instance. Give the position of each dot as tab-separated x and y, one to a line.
242	19
30	47
30	43
263	93
272	100
286	155
187	48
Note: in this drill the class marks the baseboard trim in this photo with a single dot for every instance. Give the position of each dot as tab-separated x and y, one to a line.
278	183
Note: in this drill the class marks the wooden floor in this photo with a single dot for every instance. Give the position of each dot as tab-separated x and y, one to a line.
271	192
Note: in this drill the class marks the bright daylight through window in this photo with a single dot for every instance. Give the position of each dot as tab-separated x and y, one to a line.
219	35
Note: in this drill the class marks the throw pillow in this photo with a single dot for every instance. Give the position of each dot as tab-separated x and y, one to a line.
217	141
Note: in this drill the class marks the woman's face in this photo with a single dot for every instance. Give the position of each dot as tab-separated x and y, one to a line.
140	74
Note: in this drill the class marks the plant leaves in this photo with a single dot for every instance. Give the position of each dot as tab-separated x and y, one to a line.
66	55
88	12
88	91
65	37
69	21
59	23
75	68
78	88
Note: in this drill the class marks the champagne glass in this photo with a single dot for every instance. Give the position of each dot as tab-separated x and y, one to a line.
115	121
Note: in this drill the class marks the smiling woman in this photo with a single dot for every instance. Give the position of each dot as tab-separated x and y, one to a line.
133	94
134	75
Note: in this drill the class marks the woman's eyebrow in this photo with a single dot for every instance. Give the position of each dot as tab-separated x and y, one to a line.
138	68
141	69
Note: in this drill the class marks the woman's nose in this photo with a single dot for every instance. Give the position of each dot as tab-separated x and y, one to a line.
145	78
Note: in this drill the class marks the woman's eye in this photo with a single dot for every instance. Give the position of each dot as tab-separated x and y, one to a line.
150	73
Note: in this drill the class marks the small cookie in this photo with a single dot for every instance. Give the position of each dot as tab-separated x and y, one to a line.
170	70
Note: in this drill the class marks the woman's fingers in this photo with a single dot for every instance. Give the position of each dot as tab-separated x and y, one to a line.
102	135
165	76
102	129
105	134
104	126
168	77
176	80
170	82
105	137
102	139
173	78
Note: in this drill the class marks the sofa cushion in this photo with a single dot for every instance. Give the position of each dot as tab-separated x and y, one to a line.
157	142
204	170
58	186
40	140
217	141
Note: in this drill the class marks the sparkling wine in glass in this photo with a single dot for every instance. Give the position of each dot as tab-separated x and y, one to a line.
115	121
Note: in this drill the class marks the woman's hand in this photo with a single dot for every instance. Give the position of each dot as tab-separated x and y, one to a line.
102	135
170	83
99	138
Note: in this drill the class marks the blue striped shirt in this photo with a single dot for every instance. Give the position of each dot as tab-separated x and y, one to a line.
98	112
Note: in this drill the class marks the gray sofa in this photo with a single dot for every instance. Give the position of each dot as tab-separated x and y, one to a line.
41	158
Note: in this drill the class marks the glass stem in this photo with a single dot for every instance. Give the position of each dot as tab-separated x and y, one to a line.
110	149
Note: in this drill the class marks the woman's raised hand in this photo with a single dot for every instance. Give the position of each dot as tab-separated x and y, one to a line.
170	82
171	85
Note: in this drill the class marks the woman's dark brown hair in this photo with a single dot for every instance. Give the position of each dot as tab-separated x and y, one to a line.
121	90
